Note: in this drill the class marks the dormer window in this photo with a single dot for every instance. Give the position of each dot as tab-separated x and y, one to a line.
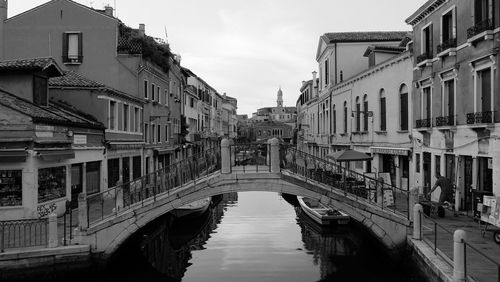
40	90
72	48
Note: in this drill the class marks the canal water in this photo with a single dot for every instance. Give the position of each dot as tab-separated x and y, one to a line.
251	236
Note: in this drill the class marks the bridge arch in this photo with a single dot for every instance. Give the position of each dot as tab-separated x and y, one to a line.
107	236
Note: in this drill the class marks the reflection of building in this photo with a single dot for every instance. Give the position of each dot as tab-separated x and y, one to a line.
456	104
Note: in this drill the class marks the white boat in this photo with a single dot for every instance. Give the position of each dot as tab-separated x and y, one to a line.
193	209
321	213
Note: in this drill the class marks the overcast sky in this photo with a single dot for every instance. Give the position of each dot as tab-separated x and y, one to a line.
249	48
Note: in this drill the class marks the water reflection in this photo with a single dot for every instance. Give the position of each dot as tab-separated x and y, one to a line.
168	249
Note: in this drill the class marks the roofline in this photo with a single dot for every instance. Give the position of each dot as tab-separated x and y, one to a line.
50	2
423	11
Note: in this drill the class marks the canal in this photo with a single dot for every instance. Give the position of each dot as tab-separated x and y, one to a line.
251	236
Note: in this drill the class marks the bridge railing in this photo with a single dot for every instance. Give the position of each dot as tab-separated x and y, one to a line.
23	233
250	157
362	187
148	187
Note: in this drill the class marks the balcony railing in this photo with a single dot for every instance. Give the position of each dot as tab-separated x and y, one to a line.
424	123
447	44
480	117
423	57
480	27
445	121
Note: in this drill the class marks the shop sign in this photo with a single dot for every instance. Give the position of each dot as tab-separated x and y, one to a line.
390	151
44	131
80	139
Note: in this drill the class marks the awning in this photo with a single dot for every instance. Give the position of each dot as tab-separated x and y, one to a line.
391	151
349	155
56	155
163	151
13	156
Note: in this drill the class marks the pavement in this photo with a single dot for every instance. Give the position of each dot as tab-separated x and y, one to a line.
439	231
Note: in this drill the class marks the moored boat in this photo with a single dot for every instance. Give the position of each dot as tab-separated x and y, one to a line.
322	214
193	209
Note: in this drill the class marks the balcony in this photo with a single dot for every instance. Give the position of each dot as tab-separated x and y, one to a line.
423	123
480	118
447	47
424	58
480	27
445	121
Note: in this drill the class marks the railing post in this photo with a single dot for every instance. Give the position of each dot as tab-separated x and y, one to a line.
119	198
417	222
83	217
226	156
412	200
53	231
275	155
459	238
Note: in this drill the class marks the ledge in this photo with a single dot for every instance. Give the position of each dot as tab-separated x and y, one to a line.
485	35
384	132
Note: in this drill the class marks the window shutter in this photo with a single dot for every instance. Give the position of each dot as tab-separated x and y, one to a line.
80	47
65	47
404	111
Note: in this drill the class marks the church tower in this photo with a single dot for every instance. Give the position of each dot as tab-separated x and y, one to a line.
280	98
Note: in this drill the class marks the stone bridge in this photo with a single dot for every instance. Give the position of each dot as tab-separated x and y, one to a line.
106	233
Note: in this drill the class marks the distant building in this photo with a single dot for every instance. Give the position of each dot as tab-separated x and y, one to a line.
279	113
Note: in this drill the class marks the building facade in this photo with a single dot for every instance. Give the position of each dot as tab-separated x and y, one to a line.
455	96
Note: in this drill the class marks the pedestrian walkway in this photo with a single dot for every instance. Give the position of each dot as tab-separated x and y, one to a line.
439	232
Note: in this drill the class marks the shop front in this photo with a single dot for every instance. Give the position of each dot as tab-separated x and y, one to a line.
392	164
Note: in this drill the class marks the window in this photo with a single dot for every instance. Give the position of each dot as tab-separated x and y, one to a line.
112	115
326	73
358	115
125	118
403	103
11	188
165	94
449	98
153	98
146	96
153	133
191	102
146	132
137	120
136	167
51	183
483	90
426	103
158	136
158	94
483	11
383	126
166	134
40	89
438	165
334	117
448	28
345	117
365	113
427	42
417	163
72	48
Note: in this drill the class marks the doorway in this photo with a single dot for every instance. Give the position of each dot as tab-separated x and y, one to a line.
76	184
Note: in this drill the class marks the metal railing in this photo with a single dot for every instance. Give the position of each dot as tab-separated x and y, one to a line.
360	186
15	234
445	121
423	123
249	156
480	117
441	240
148	187
424	56
479	27
447	44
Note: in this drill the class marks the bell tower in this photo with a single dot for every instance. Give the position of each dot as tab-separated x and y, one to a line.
280	98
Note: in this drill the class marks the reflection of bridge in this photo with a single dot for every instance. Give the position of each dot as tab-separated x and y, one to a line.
107	219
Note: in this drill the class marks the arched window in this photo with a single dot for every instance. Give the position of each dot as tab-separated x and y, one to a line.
365	113
382	110
345	117
403	98
358	115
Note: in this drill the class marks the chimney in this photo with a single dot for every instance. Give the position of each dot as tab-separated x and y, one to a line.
142	30
108	10
3	17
